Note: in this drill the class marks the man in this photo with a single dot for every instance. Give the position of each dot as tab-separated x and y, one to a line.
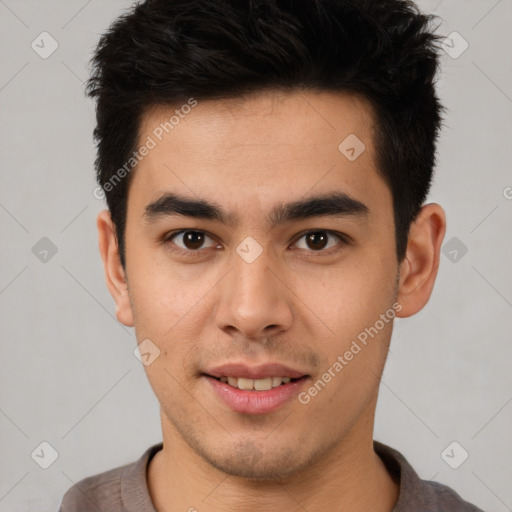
265	166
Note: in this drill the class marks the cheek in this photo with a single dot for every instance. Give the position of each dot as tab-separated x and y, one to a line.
170	313
349	381
348	297
350	301
161	301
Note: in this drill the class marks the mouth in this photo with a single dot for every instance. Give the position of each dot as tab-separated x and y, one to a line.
255	390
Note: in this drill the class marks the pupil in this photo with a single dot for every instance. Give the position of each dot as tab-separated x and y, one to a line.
317	240
193	239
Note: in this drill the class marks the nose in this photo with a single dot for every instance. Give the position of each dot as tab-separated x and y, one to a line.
254	302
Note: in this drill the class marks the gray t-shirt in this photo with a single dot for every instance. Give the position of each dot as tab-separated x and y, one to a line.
125	489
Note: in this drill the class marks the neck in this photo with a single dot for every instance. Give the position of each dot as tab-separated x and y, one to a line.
350	477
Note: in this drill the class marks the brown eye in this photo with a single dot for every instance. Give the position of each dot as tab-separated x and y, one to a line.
190	240
193	239
318	240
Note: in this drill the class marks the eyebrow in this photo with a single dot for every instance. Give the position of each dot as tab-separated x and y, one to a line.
335	204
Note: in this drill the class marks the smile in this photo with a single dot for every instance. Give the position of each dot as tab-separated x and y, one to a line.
256	384
255	396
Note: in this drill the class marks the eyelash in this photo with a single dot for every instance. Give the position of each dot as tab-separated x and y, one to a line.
167	240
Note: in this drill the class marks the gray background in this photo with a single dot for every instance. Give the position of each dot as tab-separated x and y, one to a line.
68	375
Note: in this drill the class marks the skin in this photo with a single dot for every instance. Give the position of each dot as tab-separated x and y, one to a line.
292	305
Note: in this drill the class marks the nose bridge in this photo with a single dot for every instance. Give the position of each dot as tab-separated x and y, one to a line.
253	301
251	275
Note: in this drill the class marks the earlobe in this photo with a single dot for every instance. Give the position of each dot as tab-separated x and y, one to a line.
114	273
418	271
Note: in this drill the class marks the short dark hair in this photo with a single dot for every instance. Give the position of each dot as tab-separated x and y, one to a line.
164	52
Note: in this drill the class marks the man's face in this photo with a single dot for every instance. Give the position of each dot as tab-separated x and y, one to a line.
251	292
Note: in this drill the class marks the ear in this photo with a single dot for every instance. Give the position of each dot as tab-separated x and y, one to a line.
114	273
418	270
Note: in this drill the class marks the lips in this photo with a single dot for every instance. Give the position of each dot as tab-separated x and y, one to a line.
255	389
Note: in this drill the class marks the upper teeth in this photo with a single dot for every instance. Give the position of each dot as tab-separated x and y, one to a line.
256	384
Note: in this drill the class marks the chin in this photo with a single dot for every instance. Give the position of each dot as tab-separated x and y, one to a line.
271	463
262	470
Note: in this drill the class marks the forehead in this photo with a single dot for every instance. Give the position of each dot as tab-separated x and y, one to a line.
256	151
